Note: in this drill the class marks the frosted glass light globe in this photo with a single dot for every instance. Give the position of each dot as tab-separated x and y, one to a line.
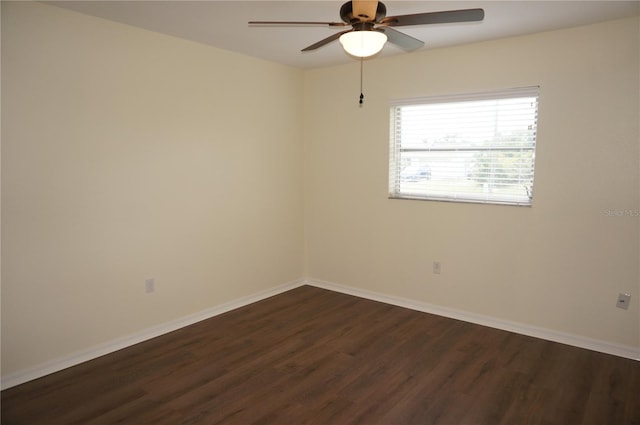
363	43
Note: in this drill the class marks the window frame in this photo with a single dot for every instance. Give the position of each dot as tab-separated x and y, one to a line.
396	149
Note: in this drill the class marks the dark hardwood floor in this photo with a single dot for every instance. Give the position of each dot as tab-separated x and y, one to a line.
311	356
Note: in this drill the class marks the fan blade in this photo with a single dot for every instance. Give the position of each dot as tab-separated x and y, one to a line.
451	16
401	39
365	9
331	24
325	41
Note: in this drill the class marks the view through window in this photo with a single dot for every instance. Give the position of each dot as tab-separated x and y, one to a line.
466	148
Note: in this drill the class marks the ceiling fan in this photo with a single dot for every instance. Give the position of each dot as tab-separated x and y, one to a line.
371	28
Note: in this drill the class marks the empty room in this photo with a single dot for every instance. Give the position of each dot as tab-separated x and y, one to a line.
243	212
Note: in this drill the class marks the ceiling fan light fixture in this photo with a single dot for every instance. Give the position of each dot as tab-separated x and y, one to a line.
363	43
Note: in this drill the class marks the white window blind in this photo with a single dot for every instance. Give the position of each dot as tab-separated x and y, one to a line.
466	148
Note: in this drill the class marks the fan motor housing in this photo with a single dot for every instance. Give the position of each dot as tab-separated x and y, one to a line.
346	14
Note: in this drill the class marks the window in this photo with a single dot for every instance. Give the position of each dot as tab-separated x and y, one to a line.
465	148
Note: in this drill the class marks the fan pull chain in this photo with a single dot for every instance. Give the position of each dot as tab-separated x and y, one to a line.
361	95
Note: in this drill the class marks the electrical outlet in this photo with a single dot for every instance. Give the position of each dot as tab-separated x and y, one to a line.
149	285
623	301
436	267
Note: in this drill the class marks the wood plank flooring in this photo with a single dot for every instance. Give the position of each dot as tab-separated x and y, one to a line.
311	356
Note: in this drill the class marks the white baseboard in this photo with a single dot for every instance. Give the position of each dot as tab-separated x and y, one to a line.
520	328
59	364
56	365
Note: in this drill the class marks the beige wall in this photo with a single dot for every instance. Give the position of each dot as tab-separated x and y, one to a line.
128	155
557	265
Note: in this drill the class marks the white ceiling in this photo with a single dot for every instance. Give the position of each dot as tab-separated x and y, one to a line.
223	24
